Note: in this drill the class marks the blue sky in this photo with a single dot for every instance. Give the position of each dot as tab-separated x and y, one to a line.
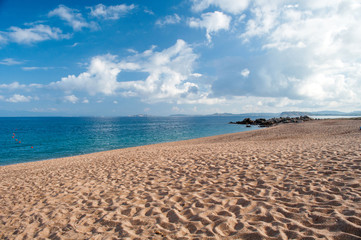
117	58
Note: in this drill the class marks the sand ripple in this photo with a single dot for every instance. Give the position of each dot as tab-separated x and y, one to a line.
299	181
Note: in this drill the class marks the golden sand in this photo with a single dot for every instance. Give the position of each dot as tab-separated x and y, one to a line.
295	181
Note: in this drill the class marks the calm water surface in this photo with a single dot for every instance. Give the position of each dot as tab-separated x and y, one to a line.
53	137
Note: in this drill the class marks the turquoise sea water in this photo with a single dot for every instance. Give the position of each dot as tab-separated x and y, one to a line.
40	138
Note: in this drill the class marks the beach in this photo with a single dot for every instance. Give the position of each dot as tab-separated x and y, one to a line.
291	181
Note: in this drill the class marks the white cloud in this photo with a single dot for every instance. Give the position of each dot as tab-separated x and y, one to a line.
231	6
9	62
170	76
35	85
110	12
169	72
115	102
265	16
101	77
245	72
197	75
212	22
16	85
12	86
327	37
16	98
150	12
36	33
266	104
307	52
132	50
85	100
72	17
36	68
71	98
169	19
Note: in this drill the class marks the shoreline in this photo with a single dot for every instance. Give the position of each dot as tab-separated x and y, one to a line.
115	149
58	157
300	181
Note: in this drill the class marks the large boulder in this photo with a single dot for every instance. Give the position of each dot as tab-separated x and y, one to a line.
247	121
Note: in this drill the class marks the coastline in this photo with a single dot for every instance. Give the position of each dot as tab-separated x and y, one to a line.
117	149
289	181
56	138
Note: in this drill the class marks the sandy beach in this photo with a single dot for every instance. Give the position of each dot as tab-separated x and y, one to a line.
294	181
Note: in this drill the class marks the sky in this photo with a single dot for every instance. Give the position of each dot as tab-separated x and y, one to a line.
119	58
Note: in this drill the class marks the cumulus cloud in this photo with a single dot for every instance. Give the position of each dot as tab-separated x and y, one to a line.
169	78
245	72
12	86
169	74
306	51
71	98
16	98
73	17
231	6
325	38
9	62
264	17
110	12
212	22
169	19
36	33
101	77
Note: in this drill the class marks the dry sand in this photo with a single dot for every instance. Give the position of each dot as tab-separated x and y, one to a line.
296	181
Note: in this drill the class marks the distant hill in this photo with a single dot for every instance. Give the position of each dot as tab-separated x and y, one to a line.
319	113
294	114
244	114
329	113
223	114
358	113
272	115
141	115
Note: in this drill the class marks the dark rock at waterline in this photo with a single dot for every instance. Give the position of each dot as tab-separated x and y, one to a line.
245	121
262	122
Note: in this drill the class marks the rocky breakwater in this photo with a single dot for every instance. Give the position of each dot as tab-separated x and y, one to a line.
261	122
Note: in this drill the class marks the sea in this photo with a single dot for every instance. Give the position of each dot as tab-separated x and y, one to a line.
27	139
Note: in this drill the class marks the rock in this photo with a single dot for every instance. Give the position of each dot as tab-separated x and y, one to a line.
247	121
261	122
